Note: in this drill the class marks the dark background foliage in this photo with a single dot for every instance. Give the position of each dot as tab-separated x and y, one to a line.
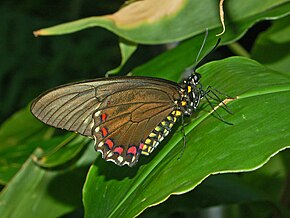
30	65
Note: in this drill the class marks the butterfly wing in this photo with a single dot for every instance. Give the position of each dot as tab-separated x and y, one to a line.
119	113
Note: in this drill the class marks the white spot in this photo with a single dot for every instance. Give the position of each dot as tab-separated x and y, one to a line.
133	158
92	123
95	139
112	160
109	154
97	129
101	152
100	144
126	162
87	120
97	113
120	158
157	143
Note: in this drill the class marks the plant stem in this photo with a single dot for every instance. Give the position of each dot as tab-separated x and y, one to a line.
237	49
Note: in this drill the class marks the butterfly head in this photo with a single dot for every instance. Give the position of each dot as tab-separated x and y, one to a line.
195	78
192	94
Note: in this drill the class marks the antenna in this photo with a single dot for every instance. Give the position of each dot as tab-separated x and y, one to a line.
203	43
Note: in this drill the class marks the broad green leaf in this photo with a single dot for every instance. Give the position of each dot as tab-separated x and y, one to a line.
19	136
272	48
36	192
64	149
259	132
155	22
241	190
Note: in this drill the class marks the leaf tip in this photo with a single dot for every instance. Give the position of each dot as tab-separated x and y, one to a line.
40	32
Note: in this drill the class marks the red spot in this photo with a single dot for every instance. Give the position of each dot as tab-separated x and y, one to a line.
132	150
119	150
141	146
104	132
109	143
103	117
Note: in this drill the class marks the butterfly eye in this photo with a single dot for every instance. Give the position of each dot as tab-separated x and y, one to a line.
196	77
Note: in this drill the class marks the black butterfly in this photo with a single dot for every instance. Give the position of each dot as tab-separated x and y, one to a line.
126	116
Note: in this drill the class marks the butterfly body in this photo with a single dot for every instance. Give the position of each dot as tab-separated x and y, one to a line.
126	116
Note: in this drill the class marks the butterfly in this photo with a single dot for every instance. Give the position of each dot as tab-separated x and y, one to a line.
126	116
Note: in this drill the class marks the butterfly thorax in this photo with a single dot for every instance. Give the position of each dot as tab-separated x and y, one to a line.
191	93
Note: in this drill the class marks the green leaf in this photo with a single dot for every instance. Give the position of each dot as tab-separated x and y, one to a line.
19	137
242	190
272	48
184	55
64	149
36	192
127	49
259	132
152	22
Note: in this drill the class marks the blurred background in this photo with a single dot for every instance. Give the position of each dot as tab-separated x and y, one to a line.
31	65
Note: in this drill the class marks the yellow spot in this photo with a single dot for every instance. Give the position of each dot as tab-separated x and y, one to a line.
165	131
149	149
154	143
164	123
147	141
152	134
145	153
188	89
178	113
174	119
158	128
183	103
144	147
170	125
169	118
173	112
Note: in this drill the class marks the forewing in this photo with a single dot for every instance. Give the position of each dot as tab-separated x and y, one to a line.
68	107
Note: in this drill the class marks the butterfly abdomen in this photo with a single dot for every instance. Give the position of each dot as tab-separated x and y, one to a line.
159	133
